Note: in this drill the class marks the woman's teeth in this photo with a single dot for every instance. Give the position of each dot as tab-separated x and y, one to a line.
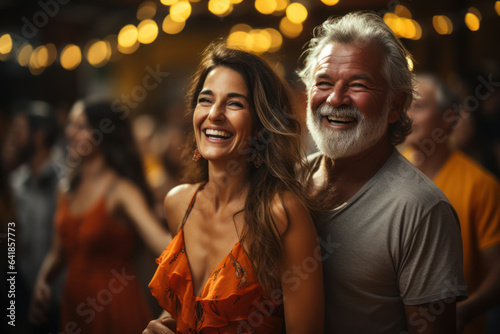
217	134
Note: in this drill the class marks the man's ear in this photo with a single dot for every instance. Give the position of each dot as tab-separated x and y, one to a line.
396	107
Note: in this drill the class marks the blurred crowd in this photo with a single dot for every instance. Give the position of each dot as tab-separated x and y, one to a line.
36	164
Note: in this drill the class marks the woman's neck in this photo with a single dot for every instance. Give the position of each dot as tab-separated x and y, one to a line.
94	167
227	182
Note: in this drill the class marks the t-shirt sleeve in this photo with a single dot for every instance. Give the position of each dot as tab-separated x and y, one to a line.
431	266
487	212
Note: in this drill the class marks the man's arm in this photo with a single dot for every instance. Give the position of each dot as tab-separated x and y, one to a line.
437	317
487	295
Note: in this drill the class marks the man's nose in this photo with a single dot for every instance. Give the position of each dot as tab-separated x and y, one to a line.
338	96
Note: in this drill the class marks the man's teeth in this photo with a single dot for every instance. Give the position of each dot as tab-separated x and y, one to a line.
339	119
217	133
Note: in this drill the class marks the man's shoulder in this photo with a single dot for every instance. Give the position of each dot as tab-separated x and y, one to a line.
400	181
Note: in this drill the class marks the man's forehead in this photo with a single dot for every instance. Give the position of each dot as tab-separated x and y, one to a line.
365	58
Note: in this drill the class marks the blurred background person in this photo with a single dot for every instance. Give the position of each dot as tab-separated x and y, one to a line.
106	206
28	154
473	192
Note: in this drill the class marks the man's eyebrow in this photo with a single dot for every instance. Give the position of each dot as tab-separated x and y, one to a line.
322	75
361	76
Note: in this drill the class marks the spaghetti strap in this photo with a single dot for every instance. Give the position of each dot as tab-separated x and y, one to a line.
191	204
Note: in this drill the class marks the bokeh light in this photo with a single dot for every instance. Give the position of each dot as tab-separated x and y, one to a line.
146	10
24	54
290	29
472	20
180	11
5	44
220	8
147	31
442	24
296	13
99	53
172	27
266	6
330	2
127	37
71	57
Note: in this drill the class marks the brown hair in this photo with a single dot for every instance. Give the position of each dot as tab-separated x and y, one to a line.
278	141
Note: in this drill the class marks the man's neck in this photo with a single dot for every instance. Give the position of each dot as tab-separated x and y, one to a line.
348	175
430	163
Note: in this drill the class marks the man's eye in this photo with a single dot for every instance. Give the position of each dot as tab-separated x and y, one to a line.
358	85
323	84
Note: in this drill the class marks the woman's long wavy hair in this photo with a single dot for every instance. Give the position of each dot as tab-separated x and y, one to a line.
277	140
115	141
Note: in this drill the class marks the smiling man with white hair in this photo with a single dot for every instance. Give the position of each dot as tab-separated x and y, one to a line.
398	264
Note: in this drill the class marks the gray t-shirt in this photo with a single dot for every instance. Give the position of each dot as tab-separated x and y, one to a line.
396	242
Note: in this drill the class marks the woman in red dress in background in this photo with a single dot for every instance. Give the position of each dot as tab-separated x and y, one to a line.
242	227
98	219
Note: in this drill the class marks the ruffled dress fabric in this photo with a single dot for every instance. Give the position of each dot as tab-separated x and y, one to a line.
102	293
232	301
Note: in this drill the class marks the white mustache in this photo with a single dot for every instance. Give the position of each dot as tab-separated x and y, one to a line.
325	110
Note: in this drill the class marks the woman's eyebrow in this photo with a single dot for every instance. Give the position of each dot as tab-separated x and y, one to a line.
237	95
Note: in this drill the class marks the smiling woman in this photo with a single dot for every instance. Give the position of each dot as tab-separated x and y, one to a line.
242	226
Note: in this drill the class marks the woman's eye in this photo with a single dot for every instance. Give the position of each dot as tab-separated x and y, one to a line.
236	104
203	100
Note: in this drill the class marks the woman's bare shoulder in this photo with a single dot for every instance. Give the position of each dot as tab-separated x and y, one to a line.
177	202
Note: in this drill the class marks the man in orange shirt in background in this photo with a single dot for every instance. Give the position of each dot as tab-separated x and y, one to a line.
473	192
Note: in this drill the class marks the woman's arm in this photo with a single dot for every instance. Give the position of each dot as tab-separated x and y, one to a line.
302	275
129	197
52	265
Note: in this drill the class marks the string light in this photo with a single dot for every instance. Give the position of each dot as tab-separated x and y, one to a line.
24	54
220	8
290	29
296	13
146	10
147	31
172	27
99	53
180	11
71	57
473	19
266	6
5	44
442	24
330	2
129	38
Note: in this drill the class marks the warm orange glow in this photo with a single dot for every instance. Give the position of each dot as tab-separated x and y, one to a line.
296	13
172	27
290	29
71	57
147	31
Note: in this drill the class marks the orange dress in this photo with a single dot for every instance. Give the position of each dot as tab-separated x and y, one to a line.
232	301
102	293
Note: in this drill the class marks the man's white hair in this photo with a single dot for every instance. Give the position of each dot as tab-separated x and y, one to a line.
362	29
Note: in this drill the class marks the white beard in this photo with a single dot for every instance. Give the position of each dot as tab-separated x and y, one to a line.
344	143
